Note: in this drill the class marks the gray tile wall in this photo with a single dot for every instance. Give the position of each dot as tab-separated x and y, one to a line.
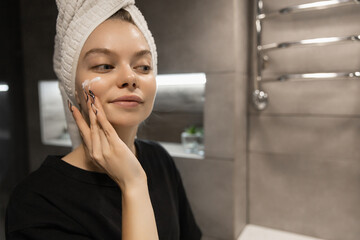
192	36
304	167
210	188
211	36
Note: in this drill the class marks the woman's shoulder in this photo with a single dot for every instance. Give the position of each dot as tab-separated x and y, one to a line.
33	186
150	146
151	152
30	184
30	181
25	199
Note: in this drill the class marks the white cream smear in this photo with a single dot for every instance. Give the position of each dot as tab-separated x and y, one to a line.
89	82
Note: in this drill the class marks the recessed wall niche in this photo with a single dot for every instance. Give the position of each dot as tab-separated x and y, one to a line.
178	107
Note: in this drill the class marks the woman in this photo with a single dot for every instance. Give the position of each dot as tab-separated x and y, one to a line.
111	186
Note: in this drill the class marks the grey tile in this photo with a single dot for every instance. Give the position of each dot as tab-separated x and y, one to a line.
219	116
210	188
333	97
192	36
335	58
334	137
240	152
242	31
241	116
307	195
240	194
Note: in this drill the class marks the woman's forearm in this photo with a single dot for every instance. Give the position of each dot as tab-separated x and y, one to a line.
138	219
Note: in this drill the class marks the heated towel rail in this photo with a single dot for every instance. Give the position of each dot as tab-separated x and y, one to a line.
260	97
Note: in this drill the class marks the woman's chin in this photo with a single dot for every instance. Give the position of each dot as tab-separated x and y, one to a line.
125	123
126	119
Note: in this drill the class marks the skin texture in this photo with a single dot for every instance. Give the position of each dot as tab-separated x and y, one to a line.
117	52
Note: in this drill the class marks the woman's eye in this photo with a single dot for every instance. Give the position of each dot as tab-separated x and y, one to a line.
144	68
103	67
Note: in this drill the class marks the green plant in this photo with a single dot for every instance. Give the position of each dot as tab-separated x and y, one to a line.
194	130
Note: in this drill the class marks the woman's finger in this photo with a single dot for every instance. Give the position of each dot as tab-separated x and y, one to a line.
102	133
82	125
106	149
105	125
94	129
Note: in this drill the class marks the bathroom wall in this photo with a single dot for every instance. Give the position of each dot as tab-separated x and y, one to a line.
304	168
211	36
192	36
13	163
38	19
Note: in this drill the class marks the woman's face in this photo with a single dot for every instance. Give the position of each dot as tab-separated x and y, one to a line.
115	63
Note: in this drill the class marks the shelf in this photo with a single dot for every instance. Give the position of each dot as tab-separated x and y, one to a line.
177	150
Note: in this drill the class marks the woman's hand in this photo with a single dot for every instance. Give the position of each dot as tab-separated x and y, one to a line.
105	148
109	152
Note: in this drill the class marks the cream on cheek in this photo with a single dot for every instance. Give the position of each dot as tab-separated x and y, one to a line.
88	83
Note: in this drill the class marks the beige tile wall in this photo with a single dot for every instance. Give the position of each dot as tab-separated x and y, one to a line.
192	36
219	115
304	194
304	169
210	188
210	36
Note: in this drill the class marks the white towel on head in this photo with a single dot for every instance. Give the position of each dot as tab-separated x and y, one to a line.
75	22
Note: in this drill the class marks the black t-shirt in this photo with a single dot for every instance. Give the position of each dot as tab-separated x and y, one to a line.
60	201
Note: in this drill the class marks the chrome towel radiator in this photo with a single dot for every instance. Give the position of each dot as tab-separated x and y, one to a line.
259	97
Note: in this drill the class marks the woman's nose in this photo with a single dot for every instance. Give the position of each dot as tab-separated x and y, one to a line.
127	78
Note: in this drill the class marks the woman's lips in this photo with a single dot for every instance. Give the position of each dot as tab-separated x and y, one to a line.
128	101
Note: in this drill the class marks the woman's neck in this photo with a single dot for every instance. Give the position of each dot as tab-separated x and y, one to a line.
127	135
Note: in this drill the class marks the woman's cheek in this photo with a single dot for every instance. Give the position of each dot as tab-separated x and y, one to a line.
151	84
98	86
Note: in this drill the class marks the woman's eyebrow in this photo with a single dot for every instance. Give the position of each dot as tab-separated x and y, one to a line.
98	50
106	51
142	53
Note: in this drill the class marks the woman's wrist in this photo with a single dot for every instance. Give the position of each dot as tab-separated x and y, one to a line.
133	186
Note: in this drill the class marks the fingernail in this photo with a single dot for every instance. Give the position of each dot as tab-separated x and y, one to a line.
86	96
94	108
92	95
69	105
